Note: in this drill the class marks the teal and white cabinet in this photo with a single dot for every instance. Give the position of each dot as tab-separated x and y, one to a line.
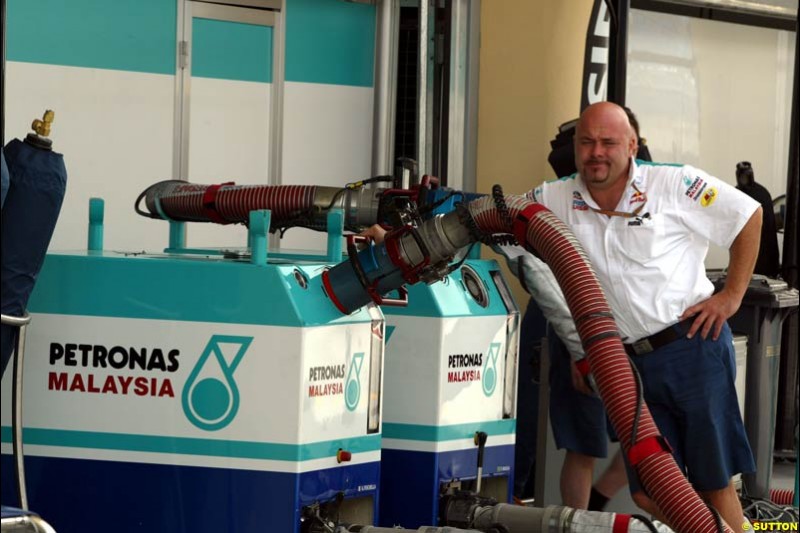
450	372
194	393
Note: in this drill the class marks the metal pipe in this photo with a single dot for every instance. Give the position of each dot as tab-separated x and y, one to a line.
425	88
557	519
19	459
26	523
388	14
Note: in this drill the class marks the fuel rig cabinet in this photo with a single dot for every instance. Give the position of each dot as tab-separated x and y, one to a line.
196	392
450	394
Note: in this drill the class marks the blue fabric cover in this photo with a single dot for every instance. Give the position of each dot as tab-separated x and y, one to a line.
38	180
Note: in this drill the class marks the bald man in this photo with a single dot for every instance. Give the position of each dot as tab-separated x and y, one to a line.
646	229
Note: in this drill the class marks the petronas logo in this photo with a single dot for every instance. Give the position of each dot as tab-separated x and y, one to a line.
489	379
352	385
210	396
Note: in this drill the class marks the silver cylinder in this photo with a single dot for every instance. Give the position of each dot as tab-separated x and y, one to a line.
388	15
516	518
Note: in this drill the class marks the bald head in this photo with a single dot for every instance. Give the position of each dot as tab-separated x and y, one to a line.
604	143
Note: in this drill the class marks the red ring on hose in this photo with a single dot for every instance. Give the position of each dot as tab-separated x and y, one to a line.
210	203
520	228
647	447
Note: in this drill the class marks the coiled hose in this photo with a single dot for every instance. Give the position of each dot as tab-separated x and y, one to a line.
548	236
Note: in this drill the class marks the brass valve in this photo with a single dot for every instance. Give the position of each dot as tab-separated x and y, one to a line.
42	127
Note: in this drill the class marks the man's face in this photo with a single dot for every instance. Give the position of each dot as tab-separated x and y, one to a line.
604	144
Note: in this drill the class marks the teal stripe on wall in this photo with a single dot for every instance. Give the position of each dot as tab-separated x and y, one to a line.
451	432
133	35
329	41
194	446
231	50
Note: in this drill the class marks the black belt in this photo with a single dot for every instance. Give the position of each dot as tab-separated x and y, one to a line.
662	338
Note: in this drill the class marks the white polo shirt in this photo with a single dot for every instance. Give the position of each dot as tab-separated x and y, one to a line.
651	266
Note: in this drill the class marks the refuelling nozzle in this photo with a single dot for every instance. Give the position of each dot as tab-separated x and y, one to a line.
42	127
41	130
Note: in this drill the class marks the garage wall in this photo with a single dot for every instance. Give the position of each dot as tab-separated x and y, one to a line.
107	69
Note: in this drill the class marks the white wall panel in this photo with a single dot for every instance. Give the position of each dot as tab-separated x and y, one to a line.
115	131
327	141
228	141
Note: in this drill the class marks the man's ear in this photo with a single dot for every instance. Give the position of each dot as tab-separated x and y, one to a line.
633	146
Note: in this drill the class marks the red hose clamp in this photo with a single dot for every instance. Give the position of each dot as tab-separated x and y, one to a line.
392	242
210	203
583	366
647	447
621	523
521	222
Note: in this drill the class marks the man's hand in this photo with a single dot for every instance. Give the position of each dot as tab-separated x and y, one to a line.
578	381
376	232
711	314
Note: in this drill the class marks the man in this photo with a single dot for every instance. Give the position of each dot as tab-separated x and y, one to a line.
577	415
646	231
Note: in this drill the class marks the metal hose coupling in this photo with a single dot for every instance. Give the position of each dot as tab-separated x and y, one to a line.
408	254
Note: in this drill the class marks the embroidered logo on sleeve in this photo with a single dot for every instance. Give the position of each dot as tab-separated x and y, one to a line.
696	188
578	202
708	197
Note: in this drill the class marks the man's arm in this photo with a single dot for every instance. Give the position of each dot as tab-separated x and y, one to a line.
713	312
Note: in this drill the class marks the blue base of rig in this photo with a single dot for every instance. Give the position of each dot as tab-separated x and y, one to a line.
190	499
411	481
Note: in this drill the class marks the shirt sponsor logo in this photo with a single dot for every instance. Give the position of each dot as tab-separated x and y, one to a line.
638	197
696	188
578	203
643	220
709	197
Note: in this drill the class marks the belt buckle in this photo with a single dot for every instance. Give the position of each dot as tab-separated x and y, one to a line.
642	346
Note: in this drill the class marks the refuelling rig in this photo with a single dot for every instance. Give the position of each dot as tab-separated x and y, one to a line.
243	390
220	389
238	404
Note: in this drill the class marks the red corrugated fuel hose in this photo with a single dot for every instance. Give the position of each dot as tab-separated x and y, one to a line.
548	236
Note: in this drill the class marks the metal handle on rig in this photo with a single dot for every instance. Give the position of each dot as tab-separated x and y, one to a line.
400	301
